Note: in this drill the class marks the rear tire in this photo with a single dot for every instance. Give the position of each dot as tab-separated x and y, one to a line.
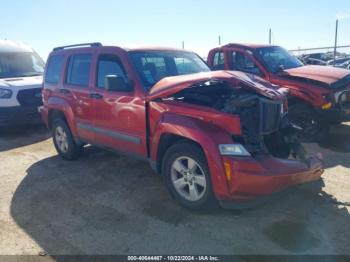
314	128
64	141
187	176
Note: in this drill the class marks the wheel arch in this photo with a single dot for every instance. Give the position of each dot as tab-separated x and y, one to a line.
176	128
166	141
53	114
293	100
58	107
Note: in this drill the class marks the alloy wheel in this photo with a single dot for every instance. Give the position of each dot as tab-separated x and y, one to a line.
188	178
61	139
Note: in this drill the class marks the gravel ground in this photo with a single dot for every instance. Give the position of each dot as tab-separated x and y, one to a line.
110	204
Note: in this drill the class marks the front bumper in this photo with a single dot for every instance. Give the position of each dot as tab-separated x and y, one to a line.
252	179
18	115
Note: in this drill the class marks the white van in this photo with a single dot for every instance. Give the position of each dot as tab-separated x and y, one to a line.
21	70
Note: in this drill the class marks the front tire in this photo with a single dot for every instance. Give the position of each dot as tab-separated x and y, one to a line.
64	141
187	176
314	129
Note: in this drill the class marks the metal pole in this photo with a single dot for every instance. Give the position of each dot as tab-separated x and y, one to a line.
270	36
219	40
335	42
183	44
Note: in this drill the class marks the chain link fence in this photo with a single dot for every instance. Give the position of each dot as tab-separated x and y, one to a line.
324	56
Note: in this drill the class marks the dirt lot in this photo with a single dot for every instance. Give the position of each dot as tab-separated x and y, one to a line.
110	204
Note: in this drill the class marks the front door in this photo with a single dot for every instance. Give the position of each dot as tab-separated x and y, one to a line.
242	61
120	118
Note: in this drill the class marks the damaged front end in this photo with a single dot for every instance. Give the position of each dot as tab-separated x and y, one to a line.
265	128
247	120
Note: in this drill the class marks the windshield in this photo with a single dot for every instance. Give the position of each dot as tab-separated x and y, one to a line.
152	66
20	64
277	59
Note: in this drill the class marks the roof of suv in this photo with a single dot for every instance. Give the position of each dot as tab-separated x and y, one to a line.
246	46
8	46
99	45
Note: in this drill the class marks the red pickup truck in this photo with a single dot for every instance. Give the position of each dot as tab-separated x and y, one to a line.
319	95
212	135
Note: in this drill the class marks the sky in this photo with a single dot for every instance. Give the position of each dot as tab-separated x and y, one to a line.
44	24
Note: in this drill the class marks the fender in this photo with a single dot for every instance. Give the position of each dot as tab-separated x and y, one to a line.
309	93
207	135
56	103
302	95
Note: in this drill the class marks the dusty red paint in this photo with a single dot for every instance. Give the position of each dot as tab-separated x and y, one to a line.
307	84
125	113
326	74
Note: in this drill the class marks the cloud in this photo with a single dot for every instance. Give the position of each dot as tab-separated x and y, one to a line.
343	15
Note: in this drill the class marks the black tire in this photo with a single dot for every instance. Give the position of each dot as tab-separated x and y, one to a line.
314	129
73	150
188	150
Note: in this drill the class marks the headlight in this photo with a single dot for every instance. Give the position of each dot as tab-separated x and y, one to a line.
233	150
5	93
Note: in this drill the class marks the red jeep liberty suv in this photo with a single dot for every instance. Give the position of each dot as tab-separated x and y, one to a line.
212	135
319	95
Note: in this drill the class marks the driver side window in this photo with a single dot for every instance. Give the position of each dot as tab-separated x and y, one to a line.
242	62
109	65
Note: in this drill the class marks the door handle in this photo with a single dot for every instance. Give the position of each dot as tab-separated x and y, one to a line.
64	91
96	96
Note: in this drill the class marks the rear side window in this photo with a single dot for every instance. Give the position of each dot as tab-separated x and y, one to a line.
108	65
54	69
79	70
219	61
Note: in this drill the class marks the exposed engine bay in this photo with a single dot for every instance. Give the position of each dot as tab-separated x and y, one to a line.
265	127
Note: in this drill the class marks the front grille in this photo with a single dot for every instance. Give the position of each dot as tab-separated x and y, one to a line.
30	97
262	117
270	116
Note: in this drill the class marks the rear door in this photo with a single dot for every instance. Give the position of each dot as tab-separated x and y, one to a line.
77	88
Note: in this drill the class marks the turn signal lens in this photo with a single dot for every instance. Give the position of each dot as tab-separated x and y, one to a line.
228	171
327	106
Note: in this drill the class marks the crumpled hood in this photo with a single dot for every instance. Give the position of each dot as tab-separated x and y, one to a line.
171	85
326	75
20	83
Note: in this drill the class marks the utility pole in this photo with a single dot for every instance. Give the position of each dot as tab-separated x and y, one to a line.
183	44
335	42
270	37
219	40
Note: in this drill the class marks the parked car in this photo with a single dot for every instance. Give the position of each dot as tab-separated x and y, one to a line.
319	95
21	70
341	62
212	135
313	61
318	56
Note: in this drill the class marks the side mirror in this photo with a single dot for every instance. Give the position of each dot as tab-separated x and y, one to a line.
116	83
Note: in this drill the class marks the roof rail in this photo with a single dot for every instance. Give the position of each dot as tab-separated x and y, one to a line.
96	44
